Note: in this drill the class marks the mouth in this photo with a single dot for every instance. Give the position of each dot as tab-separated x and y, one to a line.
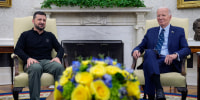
41	25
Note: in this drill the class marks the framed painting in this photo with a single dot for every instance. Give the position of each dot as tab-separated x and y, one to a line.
188	3
5	3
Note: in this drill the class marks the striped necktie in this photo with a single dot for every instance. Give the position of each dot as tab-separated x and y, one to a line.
160	41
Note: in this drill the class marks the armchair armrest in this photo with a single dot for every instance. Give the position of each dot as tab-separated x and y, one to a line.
198	62
16	63
65	60
133	66
134	63
183	67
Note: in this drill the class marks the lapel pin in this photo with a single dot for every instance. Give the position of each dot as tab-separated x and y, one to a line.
172	31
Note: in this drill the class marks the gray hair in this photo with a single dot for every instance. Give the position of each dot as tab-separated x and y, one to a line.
169	11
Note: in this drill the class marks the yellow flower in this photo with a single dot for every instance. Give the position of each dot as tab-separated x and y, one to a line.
84	78
98	70
133	89
63	80
57	93
100	90
127	75
86	62
81	93
114	62
100	63
67	74
112	70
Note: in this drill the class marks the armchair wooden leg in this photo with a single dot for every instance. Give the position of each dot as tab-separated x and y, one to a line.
145	96
16	91
184	92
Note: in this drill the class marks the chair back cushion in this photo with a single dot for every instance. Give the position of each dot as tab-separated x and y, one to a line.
25	24
181	22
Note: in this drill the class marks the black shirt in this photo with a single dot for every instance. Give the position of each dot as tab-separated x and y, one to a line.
37	46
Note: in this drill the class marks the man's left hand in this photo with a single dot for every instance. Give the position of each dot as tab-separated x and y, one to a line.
56	60
170	58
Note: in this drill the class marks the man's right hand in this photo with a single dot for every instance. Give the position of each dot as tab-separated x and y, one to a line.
136	54
31	61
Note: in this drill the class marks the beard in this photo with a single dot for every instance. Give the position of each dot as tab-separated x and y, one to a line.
39	28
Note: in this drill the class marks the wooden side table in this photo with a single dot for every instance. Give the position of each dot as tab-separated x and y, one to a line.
198	76
196	49
8	49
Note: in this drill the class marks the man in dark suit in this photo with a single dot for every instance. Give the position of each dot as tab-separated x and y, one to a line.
167	58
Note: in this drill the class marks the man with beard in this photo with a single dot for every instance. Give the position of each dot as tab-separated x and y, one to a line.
34	48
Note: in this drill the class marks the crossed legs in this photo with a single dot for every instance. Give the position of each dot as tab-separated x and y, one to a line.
151	67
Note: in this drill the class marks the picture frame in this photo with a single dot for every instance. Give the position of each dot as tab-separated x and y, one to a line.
188	4
5	3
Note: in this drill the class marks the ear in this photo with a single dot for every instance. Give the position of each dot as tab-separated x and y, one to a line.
33	21
170	16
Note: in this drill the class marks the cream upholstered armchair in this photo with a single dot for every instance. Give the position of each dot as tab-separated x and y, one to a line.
173	79
21	78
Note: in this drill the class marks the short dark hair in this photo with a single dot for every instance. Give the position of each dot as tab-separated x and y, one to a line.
38	13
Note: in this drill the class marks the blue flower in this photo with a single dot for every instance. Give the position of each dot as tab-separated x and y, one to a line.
130	70
119	65
109	61
75	66
88	69
60	88
107	80
94	59
73	79
123	92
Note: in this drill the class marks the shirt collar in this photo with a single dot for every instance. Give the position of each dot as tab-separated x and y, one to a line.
166	28
37	32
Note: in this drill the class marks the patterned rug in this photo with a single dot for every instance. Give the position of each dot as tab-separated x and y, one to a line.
25	95
45	93
174	96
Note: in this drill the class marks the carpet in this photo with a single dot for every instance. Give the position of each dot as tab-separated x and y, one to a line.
174	96
25	95
45	93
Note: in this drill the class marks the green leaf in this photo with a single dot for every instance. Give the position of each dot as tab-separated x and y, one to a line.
67	90
93	3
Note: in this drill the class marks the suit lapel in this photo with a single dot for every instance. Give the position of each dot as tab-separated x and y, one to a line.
156	35
171	36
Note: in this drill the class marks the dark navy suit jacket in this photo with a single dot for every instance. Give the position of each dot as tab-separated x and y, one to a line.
177	43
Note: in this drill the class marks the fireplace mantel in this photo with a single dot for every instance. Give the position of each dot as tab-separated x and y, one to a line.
99	16
125	24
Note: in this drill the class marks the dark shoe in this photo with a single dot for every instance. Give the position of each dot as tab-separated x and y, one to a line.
160	95
151	97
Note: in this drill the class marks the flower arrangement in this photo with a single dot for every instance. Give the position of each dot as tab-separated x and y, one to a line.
97	79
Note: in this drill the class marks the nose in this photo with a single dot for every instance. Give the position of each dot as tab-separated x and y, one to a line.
43	21
160	17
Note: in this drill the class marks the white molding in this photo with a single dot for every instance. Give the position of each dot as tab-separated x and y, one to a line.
193	43
6	42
